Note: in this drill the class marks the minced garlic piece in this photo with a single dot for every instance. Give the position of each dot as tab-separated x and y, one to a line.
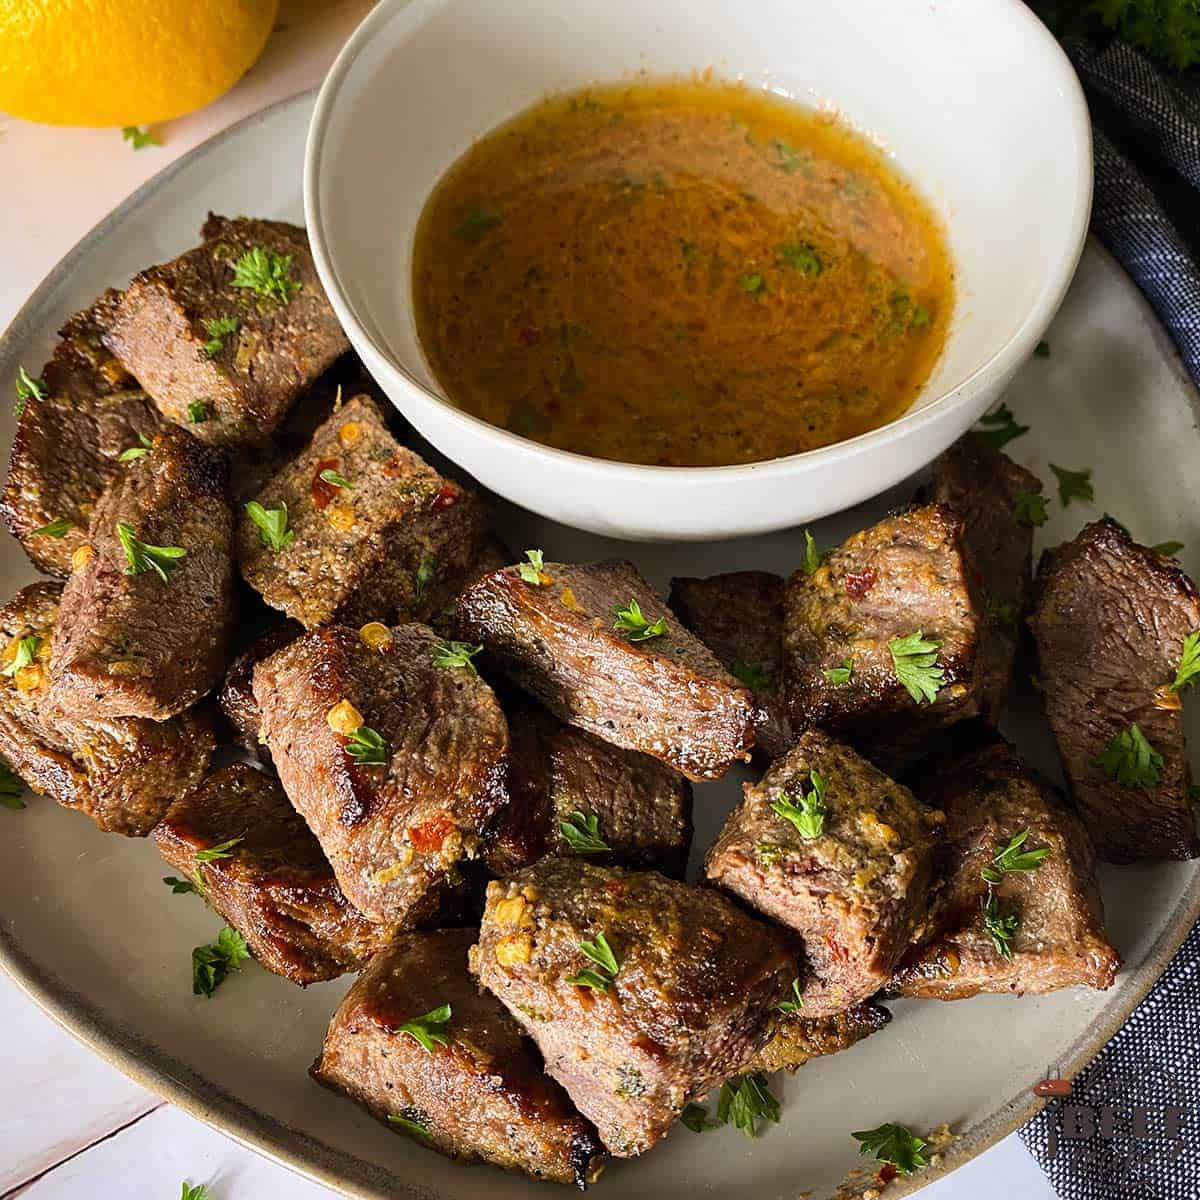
388	873
568	599
375	635
342	517
82	556
350	434
513	913
514	948
344	718
30	678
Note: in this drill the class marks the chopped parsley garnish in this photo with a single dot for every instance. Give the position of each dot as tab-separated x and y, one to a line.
771	853
429	1029
197	1192
807	811
272	525
753	284
1000	928
1189	663
1167	549
197	412
218	329
914	659
1000	427
892	1143
331	477
144	446
367	747
1013	858
744	1101
696	1118
27	649
220	850
600	952
29	388
56	529
139	138
531	571
211	964
266	274
476	225
410	1120
800	256
180	887
813	557
424	577
796	1003
1030	508
142	557
1130	759
630	620
840	675
1073	485
455	654
582	833
11	788
751	674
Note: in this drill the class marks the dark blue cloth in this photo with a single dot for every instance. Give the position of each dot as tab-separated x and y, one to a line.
1131	1126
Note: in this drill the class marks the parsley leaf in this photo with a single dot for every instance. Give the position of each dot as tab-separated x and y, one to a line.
424	577
412	1120
840	675
1130	759
808	814
582	833
696	1118
893	1144
266	274
220	850
27	649
531	571
331	477
999	928
142	557
1073	485
914	659
218	329
139	138
56	529
272	525
601	953
999	427
744	1101
367	747
429	1029
630	620
476	224
190	1192
752	675
753	284
11	788
1167	549
197	412
813	557
796	1003
28	388
800	256
1189	663
180	887
1013	858
1029	508
145	445
211	964
455	654
1041	350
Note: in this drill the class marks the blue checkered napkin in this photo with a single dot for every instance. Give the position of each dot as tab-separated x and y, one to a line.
1131	1127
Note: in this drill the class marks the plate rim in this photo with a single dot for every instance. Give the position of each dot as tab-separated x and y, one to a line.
155	1069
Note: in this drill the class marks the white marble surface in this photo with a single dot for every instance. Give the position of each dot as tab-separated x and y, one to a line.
70	1125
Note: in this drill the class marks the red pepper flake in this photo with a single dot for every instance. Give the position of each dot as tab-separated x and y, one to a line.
429	835
323	493
448	496
837	951
886	1174
859	584
396	465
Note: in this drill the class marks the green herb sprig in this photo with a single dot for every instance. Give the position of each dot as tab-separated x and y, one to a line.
893	1144
429	1029
582	833
532	570
58	528
1012	857
272	525
807	810
1130	759
266	274
1000	427
211	964
456	654
914	659
367	747
601	953
142	557
631	621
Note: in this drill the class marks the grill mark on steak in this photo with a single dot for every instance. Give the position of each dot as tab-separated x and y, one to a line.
800	1038
1109	621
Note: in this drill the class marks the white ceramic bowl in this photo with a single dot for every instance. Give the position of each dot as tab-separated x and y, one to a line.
973	99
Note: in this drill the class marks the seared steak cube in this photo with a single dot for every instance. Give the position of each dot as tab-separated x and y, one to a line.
226	336
237	692
571	793
988	491
121	772
388	539
1110	620
274	886
832	848
989	799
739	617
397	764
648	686
692	997
66	445
800	1038
146	617
482	1096
852	662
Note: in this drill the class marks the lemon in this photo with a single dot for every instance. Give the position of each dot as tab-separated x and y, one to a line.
124	62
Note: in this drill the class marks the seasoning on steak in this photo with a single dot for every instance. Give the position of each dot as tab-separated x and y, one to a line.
393	545
852	884
983	487
692	999
237	693
800	1038
562	782
395	829
989	798
739	617
274	886
66	446
1110	618
227	360
903	576
133	642
123	773
664	695
482	1095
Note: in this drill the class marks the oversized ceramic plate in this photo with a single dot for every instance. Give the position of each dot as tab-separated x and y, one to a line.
93	935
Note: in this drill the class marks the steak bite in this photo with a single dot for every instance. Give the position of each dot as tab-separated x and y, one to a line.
274	886
147	615
739	617
847	868
985	488
858	612
237	692
66	445
800	1038
692	997
571	793
650	687
226	336
989	800
391	541
397	764
123	773
1109	621
482	1096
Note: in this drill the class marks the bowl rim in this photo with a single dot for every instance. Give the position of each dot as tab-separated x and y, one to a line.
1003	360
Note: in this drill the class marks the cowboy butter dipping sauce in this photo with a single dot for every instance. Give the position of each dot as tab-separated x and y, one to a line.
680	274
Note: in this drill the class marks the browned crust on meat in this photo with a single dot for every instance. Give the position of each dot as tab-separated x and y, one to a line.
801	1038
236	697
